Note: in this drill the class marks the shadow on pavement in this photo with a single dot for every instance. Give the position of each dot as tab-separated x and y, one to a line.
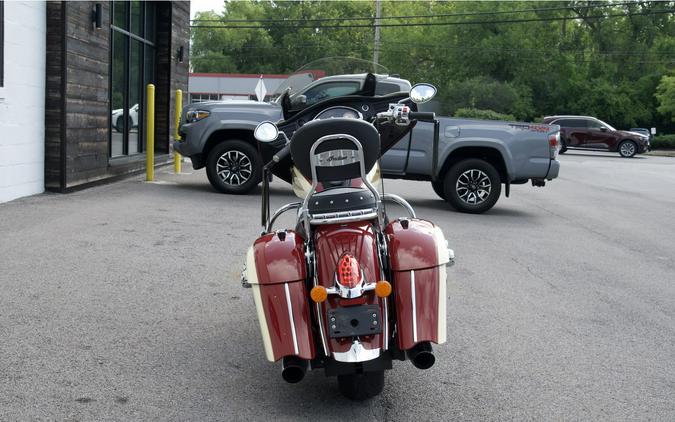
602	154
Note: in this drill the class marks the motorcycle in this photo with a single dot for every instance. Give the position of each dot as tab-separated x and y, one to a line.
348	289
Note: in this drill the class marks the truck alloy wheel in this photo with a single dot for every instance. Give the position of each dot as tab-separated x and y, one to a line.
233	167
627	149
472	186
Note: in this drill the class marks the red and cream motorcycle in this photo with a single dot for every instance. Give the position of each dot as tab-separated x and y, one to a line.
348	289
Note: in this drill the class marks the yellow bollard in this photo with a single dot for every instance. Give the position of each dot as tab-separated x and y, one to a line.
177	159
150	130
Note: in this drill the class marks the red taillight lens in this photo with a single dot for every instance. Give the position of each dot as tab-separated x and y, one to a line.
554	144
348	271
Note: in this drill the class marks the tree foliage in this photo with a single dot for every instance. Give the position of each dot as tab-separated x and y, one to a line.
665	93
590	63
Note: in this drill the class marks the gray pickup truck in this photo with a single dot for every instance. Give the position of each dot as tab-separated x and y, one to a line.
474	158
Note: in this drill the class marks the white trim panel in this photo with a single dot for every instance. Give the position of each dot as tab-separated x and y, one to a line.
252	277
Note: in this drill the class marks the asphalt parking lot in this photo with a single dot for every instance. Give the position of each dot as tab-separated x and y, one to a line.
123	302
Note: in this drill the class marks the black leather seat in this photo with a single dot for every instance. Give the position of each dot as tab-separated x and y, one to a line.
341	199
307	135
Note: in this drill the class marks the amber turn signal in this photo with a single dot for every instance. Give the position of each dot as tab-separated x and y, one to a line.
383	288
318	294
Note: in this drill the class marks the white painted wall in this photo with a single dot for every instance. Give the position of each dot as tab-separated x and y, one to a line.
22	101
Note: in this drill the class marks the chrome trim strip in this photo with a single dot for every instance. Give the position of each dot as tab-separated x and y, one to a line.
280	211
343	216
357	353
385	317
400	201
414	306
290	317
347	293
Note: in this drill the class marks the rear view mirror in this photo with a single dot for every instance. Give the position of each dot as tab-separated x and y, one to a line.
603	129
266	132
421	93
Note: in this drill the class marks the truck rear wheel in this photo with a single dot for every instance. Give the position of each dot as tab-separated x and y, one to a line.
472	186
234	167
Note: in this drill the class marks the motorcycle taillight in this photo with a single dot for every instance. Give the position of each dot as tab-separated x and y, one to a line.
348	272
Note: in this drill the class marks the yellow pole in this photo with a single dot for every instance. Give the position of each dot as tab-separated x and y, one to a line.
150	128
177	159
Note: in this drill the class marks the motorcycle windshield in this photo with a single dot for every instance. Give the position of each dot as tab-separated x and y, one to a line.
300	81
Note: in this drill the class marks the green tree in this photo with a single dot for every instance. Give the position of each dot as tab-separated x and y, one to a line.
573	57
665	93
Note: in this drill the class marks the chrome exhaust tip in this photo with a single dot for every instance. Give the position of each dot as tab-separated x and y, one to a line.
421	356
293	369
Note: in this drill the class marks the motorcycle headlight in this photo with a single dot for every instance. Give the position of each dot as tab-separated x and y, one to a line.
196	115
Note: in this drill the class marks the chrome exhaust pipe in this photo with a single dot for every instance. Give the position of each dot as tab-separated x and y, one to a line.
293	369
421	355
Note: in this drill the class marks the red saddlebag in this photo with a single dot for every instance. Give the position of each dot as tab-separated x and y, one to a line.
418	255
276	270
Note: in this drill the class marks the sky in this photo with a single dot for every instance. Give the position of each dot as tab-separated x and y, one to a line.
203	5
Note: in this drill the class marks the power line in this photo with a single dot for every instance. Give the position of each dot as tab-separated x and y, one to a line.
439	15
470	48
385	25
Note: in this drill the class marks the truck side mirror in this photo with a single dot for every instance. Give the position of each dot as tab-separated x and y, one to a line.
300	100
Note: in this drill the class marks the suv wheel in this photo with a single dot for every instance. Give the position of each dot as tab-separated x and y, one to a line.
233	167
472	186
563	146
627	149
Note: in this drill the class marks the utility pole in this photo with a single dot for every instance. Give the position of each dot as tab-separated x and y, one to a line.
378	13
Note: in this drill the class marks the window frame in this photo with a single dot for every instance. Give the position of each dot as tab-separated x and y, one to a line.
2	43
146	46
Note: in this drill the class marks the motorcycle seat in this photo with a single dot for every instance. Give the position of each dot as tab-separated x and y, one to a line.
341	199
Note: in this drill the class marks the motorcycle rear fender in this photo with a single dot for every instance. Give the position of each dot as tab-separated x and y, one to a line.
418	255
276	270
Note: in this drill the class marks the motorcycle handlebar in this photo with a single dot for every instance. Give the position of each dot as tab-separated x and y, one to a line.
283	153
421	115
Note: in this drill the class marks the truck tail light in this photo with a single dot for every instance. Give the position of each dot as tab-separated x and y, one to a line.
554	144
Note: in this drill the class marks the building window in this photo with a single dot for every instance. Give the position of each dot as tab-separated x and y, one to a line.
201	97
2	42
133	34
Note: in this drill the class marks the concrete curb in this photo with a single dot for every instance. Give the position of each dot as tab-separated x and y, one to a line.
662	153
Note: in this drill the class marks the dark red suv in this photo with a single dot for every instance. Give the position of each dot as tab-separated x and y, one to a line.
585	132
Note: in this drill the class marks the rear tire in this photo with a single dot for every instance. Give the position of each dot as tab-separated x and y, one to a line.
627	149
472	186
438	188
361	387
234	167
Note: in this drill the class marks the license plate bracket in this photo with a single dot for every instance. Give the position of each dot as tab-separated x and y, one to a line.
352	321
